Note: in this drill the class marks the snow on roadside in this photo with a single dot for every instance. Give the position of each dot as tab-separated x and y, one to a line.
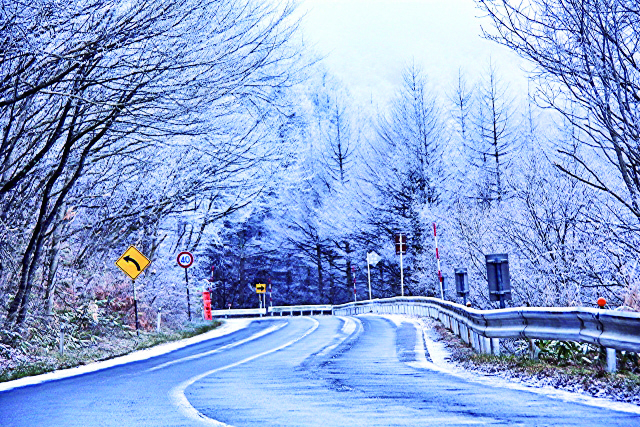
438	358
229	326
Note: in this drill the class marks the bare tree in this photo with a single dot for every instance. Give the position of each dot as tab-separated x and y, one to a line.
586	63
494	141
104	82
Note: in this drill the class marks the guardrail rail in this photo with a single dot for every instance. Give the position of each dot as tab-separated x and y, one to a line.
483	329
292	310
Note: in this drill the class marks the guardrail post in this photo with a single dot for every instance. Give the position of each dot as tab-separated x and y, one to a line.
486	345
495	346
612	363
534	349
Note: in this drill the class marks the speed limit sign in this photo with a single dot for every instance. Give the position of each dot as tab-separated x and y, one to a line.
185	259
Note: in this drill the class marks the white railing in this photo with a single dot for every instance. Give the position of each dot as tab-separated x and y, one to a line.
278	310
301	309
483	329
238	312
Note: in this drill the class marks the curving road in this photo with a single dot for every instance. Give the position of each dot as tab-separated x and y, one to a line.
293	371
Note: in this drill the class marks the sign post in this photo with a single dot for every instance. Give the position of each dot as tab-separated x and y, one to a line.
401	248
462	283
270	297
353	273
498	278
261	290
185	260
372	259
133	263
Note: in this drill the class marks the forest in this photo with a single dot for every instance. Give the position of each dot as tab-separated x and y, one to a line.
211	127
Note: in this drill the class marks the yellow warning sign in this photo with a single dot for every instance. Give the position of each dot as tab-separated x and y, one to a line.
132	262
261	288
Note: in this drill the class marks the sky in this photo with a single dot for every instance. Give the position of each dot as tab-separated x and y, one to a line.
366	43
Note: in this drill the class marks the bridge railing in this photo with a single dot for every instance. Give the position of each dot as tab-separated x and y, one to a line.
483	329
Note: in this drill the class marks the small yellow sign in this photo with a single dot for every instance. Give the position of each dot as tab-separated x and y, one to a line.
132	262
261	288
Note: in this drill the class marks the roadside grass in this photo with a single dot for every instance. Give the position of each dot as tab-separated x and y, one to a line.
102	348
543	368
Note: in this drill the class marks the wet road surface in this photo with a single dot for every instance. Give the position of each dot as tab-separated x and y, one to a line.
292	371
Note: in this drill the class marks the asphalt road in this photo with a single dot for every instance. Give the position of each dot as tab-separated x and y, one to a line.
292	371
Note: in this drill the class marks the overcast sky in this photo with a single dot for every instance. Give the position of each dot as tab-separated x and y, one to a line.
367	42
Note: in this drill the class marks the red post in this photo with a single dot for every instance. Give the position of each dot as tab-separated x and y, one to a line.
206	300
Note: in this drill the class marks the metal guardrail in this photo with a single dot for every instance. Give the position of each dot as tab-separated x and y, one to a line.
483	329
281	310
311	309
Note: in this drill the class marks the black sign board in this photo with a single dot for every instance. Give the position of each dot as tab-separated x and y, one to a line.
498	277
462	282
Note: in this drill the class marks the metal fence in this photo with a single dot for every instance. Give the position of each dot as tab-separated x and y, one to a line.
483	329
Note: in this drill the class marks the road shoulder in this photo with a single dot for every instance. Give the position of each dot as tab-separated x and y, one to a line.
229	326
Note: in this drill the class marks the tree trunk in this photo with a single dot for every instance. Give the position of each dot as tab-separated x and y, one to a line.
347	249
54	259
319	262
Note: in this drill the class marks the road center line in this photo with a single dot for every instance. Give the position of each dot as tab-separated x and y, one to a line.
178	397
217	350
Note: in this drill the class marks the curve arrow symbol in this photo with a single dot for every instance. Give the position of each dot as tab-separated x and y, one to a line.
131	260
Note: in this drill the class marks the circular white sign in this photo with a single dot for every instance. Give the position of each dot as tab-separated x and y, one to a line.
185	259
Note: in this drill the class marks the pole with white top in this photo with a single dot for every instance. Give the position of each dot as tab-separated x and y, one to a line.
353	273
435	237
369	276
401	246
372	259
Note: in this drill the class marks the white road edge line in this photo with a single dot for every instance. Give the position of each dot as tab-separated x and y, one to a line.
218	350
180	400
229	326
